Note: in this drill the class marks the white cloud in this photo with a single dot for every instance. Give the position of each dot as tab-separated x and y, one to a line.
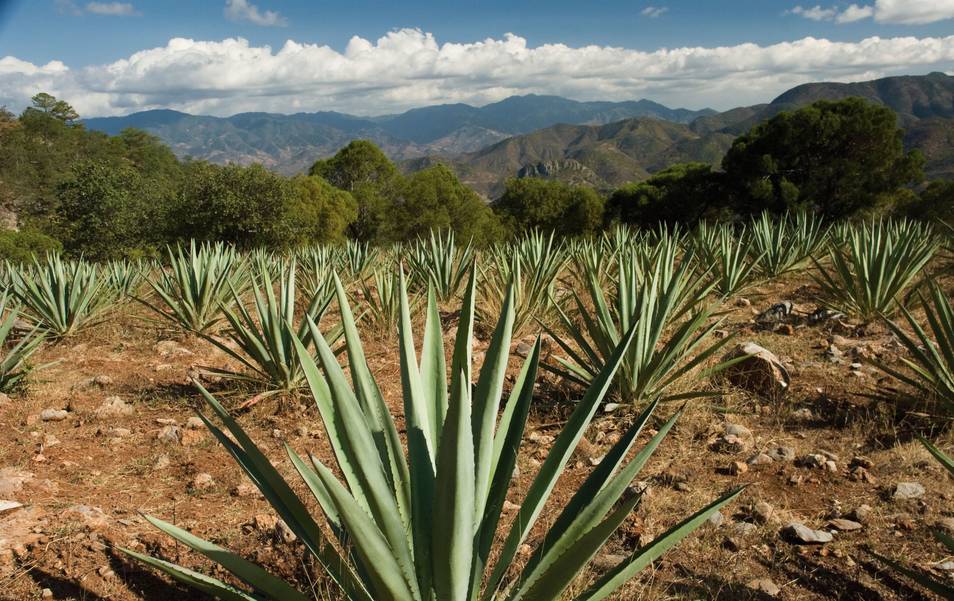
913	12
243	10
112	9
854	13
653	11
815	13
904	12
409	68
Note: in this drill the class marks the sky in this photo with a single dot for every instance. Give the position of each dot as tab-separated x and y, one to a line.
366	57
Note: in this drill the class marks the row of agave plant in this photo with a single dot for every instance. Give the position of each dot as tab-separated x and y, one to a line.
632	312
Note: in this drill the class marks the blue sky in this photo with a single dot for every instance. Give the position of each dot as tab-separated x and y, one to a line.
223	56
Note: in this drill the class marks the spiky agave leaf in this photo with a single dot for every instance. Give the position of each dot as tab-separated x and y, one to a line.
263	338
63	297
440	263
876	263
422	526
786	243
127	277
658	296
197	285
931	366
16	349
728	257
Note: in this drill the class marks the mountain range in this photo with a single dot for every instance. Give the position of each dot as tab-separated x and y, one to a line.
603	144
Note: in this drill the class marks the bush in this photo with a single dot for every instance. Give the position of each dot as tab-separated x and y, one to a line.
22	246
550	206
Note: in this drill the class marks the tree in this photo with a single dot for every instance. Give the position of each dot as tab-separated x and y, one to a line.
318	212
550	205
682	193
434	199
832	157
246	206
58	109
105	211
935	202
361	169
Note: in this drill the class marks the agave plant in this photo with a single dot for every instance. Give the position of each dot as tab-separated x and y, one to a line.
382	300
655	295
63	297
358	259
787	243
943	590
532	266
198	285
317	268
263	339
423	526
16	350
932	364
729	258
878	262
126	277
440	263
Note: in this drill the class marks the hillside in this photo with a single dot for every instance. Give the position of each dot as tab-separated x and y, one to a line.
602	156
290	143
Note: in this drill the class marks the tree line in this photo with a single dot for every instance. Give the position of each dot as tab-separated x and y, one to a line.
63	187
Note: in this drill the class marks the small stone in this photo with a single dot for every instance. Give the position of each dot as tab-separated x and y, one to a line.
861	461
113	407
194	423
54	415
786	329
803	414
278	434
682	487
761	459
540	439
743	302
203	481
944	566
6	506
844	525
284	534
812	460
170	435
743	528
716	519
782	454
105	572
245	489
737	467
264	522
908	490
730	443
523	350
167	421
830	466
763	512
50	441
802	534
102	381
161	463
46	594
861	513
738	430
860	474
4	399
764	586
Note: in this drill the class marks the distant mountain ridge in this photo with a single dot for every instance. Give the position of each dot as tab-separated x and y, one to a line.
603	144
290	143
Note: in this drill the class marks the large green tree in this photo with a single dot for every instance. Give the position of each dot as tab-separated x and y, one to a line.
434	199
682	193
837	158
246	206
318	212
106	211
361	169
549	205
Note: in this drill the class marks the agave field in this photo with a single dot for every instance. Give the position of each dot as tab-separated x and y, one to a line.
758	410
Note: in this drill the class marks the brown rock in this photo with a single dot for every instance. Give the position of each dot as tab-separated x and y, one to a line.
758	371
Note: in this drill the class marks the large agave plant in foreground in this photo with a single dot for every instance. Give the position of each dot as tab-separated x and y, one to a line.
423	526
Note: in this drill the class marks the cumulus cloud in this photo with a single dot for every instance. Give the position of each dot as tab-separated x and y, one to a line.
113	9
815	13
409	68
243	10
653	11
904	12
